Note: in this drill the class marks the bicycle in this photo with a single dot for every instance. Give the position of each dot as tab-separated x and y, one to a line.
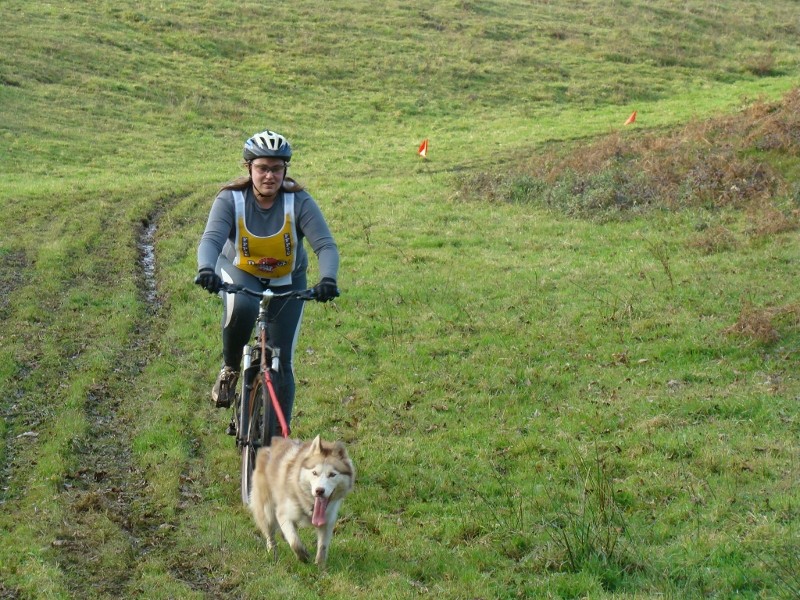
254	405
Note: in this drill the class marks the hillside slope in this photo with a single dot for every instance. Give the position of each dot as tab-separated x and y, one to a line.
547	392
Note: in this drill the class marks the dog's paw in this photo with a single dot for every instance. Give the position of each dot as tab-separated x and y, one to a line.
300	552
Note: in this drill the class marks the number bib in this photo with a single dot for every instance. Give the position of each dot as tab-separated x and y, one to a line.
271	257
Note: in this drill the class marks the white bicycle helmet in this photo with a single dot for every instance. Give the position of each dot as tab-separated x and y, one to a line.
268	144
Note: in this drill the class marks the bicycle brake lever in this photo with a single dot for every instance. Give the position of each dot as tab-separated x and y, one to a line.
230	288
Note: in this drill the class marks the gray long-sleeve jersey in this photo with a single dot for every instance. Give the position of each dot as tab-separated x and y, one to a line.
219	235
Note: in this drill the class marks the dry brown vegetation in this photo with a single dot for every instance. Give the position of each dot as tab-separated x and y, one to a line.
713	239
724	162
761	323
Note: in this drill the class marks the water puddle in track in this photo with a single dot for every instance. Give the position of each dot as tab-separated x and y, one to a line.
147	261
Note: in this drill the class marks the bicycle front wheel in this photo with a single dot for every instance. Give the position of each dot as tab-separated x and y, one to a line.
248	464
259	433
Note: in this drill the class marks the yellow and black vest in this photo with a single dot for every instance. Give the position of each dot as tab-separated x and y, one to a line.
271	257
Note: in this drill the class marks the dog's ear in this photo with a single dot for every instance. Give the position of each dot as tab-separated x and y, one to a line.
340	450
316	445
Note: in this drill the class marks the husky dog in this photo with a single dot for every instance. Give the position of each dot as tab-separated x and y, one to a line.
300	483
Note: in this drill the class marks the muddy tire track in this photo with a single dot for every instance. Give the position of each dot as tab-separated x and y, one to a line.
12	269
107	492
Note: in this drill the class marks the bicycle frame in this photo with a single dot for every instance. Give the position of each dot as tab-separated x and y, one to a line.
265	371
256	366
250	371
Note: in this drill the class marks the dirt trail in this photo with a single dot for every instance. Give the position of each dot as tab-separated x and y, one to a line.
110	525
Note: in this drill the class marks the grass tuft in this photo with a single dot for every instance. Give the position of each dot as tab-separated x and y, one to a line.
590	533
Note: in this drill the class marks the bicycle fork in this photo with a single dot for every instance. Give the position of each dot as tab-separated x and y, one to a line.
254	366
244	408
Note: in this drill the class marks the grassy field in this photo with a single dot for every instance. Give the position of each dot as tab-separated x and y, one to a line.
565	360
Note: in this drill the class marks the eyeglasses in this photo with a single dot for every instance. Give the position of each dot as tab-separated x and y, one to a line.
264	169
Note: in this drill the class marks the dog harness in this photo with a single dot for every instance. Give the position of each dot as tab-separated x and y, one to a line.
271	257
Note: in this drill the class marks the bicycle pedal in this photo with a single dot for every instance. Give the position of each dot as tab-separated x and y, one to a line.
225	398
231	429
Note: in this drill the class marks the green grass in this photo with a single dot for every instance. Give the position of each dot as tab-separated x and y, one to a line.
543	398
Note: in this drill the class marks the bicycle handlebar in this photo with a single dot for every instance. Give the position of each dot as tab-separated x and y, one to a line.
232	288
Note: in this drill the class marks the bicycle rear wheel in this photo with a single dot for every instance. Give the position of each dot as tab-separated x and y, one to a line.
259	434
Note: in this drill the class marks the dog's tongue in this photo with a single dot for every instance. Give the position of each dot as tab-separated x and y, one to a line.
318	518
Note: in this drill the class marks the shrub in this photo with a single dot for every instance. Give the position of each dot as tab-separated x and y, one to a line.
761	65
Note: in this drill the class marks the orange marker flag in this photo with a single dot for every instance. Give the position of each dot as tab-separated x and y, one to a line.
423	148
631	119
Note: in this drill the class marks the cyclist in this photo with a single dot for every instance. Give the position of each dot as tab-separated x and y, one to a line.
254	237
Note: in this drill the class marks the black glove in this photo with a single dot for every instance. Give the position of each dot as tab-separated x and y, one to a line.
209	280
326	290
